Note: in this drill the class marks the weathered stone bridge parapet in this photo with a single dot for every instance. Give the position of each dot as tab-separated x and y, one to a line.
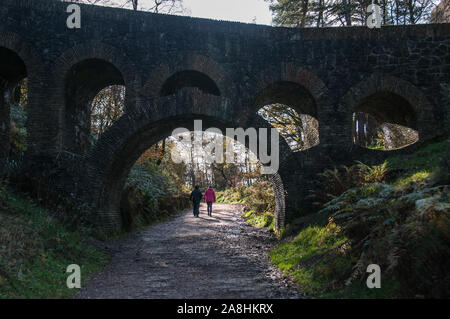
393	73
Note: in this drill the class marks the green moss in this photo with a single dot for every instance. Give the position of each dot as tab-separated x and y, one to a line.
311	244
320	261
45	276
426	166
264	219
425	159
358	290
420	177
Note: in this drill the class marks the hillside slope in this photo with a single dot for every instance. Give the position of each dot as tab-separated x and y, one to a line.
35	250
402	224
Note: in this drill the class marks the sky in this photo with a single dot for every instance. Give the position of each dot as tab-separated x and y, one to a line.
231	10
247	11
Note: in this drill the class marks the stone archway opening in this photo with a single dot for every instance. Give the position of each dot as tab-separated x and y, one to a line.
19	116
160	181
115	175
384	121
89	84
301	131
106	108
13	90
291	109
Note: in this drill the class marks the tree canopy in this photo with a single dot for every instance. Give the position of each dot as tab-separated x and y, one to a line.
322	13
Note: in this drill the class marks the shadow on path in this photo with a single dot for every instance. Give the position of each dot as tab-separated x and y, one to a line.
207	257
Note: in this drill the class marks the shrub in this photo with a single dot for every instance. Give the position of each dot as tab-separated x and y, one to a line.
18	133
334	182
404	227
371	174
150	196
408	235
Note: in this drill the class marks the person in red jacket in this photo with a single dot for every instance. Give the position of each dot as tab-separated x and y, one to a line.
210	198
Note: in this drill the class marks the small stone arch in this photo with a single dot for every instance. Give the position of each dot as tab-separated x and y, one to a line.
29	55
32	60
92	50
307	85
378	83
289	72
189	62
95	50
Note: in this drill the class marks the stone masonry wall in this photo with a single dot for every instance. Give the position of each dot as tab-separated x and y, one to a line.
338	68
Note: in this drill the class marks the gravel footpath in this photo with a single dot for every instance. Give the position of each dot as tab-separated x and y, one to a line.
197	258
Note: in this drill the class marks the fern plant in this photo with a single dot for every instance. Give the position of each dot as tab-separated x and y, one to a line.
334	182
372	174
408	235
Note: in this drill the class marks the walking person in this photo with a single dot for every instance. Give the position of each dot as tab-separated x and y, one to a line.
196	198
210	198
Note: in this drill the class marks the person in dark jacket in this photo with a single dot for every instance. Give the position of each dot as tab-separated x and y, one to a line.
196	198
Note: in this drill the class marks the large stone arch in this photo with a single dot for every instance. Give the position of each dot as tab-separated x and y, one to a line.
118	149
385	83
32	60
92	50
187	62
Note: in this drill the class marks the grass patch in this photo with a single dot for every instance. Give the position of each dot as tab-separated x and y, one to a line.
319	260
35	250
428	157
421	178
428	165
304	256
312	241
259	220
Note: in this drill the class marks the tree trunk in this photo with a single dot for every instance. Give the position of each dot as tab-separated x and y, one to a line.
305	7
163	152
347	12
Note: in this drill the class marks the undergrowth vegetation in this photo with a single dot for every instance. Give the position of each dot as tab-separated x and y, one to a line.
42	233
334	182
150	196
36	248
396	215
258	199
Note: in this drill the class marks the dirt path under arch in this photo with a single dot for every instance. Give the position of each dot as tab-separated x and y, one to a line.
207	257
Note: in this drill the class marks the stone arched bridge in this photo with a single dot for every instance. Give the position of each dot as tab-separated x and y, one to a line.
177	69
